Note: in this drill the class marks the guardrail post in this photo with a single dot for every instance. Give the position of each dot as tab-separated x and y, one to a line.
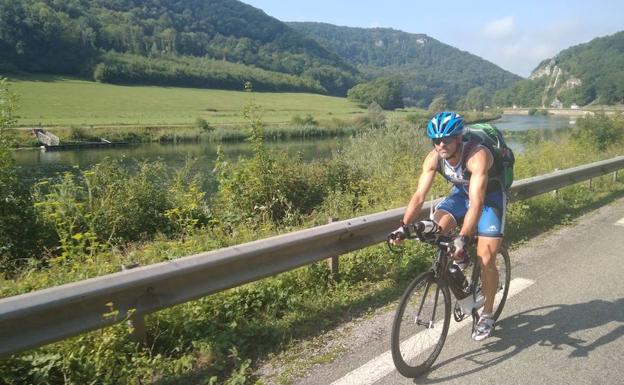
555	191
137	325
333	261
136	322
615	176
589	184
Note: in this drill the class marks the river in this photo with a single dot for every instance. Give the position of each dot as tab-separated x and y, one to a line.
34	164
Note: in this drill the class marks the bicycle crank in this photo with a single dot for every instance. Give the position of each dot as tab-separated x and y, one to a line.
458	314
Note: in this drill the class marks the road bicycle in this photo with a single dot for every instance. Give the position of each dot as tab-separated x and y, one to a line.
422	320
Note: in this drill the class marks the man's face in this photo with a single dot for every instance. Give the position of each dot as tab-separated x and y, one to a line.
446	147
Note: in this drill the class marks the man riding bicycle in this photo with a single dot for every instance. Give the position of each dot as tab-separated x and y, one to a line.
477	201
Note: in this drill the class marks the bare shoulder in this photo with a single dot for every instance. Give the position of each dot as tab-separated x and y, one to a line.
480	158
431	160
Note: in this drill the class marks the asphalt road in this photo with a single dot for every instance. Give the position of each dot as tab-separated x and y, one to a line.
563	325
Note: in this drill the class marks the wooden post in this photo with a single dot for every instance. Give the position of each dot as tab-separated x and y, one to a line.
332	262
136	321
589	185
615	176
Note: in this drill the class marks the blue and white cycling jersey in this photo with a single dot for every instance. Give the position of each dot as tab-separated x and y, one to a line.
492	220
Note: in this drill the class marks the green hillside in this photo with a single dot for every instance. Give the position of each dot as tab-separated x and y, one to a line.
426	67
583	74
166	42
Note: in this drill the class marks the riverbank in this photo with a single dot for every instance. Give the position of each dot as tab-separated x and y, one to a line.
563	111
22	137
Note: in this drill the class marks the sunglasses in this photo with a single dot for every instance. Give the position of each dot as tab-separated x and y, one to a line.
447	140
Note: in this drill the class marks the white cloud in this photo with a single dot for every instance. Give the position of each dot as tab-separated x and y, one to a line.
499	29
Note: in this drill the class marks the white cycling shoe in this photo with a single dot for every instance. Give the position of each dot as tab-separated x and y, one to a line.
484	328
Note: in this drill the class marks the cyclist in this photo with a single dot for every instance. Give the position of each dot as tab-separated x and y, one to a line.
476	202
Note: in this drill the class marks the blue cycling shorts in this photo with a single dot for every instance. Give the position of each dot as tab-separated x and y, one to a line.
492	220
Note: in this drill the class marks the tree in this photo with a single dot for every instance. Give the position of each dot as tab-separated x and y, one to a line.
18	225
476	99
8	106
386	92
438	104
375	116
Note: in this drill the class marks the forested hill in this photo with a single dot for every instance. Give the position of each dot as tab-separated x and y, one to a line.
212	43
587	73
427	67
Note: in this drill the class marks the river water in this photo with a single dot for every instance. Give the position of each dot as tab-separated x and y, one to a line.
34	164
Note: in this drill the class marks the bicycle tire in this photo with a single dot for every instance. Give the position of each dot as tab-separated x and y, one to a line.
415	346
503	265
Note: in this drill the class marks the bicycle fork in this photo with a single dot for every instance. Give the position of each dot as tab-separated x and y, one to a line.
417	320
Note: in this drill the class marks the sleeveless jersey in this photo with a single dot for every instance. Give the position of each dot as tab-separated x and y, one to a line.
459	174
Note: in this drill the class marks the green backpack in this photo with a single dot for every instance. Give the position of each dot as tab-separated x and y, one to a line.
491	137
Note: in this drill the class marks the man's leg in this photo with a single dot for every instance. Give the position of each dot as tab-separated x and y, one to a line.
487	247
445	220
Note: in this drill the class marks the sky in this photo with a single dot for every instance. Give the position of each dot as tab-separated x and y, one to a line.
516	35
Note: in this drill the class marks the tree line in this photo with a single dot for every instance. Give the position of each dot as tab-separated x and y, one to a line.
74	37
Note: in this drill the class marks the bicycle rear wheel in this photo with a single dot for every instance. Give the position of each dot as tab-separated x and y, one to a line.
503	265
420	325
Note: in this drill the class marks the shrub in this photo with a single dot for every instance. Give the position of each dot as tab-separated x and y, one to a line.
600	130
19	232
21	236
308	120
203	125
108	204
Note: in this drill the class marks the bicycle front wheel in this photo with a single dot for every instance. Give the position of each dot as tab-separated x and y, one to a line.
420	325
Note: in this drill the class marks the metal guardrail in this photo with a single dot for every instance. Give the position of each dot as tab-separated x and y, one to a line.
34	319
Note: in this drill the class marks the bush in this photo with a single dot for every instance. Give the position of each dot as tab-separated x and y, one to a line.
600	130
308	120
21	237
108	204
203	125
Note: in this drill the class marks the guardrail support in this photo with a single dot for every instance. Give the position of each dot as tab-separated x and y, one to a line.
334	266
137	325
136	322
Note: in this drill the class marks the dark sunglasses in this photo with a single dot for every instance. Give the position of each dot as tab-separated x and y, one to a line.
447	140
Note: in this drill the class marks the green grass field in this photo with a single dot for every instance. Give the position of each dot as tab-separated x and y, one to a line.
65	101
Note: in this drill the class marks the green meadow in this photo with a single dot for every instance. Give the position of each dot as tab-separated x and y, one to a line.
65	101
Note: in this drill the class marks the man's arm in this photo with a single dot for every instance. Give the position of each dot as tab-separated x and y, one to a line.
425	181
478	164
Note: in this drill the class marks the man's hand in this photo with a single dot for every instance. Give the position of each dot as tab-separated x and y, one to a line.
461	247
398	235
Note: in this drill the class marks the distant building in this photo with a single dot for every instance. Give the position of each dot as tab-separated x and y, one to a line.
556	103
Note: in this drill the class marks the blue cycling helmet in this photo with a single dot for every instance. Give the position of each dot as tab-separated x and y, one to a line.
445	124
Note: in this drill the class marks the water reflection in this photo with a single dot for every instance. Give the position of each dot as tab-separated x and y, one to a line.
34	164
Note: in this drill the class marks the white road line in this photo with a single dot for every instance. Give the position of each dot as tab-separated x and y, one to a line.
382	365
620	222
